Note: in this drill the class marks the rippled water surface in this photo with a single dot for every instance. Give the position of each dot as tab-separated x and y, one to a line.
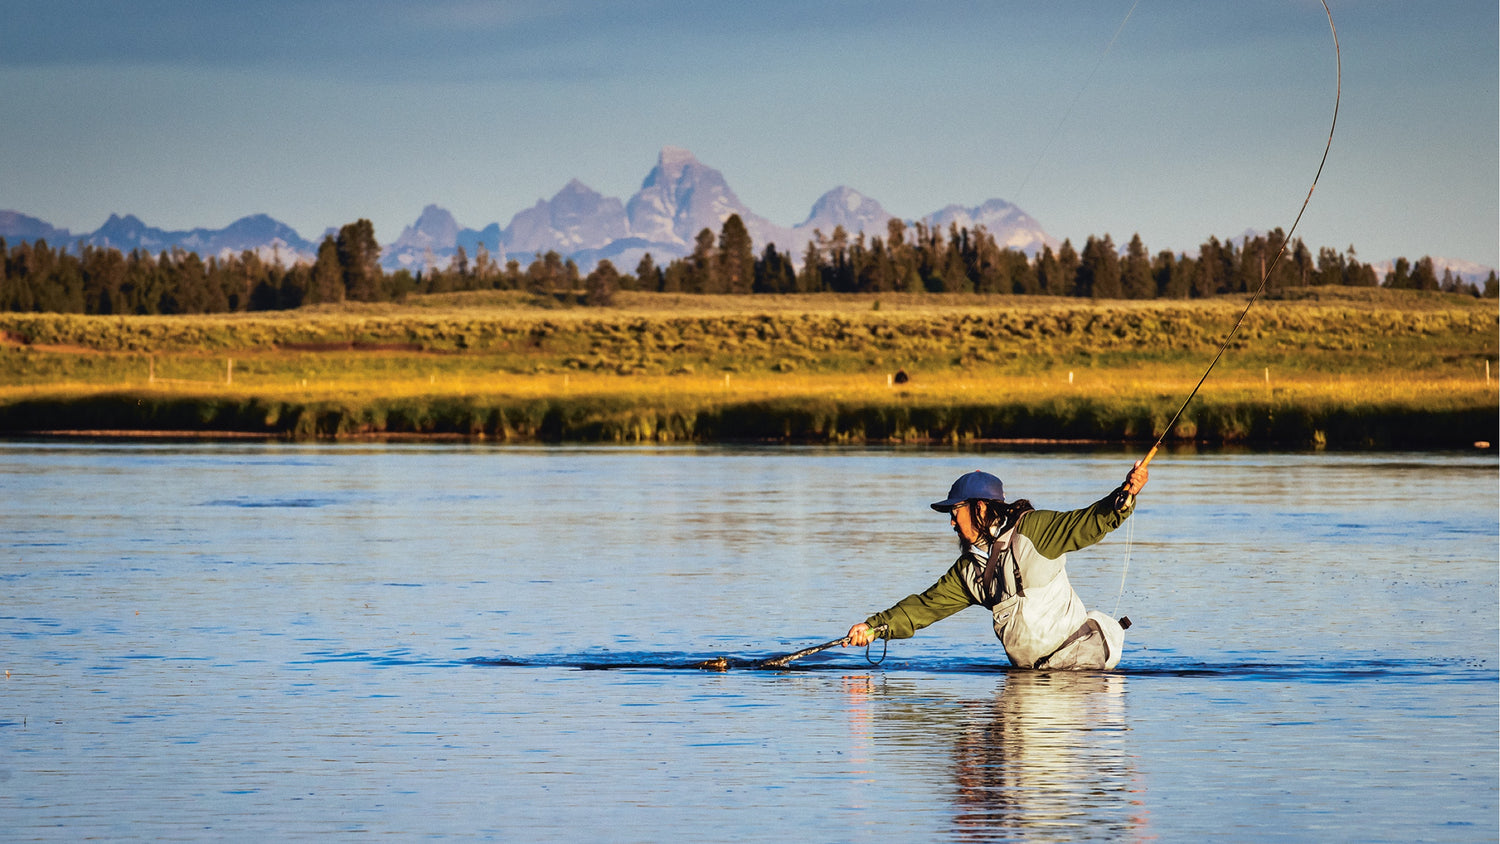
208	641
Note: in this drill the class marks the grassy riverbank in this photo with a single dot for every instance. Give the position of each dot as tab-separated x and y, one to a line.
1343	368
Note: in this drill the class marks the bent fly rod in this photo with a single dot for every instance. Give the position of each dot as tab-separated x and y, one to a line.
1285	241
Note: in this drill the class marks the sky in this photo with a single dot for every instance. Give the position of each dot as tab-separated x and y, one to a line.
1197	119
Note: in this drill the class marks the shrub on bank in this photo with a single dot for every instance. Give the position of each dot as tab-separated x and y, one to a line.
795	420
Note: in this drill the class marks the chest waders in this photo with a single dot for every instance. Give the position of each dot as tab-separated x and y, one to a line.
1028	625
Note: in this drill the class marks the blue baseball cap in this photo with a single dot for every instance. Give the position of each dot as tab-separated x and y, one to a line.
973	485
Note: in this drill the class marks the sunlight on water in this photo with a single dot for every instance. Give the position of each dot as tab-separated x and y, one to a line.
286	640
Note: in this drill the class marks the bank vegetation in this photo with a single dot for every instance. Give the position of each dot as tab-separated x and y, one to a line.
1333	366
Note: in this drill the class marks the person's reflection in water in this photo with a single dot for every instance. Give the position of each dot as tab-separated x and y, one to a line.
1046	760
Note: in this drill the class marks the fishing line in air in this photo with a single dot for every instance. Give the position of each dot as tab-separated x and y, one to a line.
973	261
1266	275
1129	538
1068	112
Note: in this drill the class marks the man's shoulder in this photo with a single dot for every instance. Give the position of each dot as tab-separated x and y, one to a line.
1033	522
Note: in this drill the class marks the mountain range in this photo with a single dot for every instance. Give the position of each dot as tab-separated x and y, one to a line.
679	197
259	233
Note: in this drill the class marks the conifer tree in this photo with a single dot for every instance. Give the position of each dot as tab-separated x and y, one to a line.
1208	272
538	281
459	267
810	279
774	272
703	269
1424	275
676	277
1399	278
1023	277
1099	272
103	280
1172	277
1330	268
1067	268
954	275
647	274
485	271
1357	274
512	277
547	274
327	275
736	256
1048	275
1302	266
840	274
601	284
905	275
987	268
359	261
876	273
22	295
143	285
1136	281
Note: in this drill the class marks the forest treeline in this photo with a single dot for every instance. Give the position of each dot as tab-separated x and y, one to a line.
91	280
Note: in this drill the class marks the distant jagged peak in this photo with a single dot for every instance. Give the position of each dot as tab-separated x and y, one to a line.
574	186
577	197
678	172
990	214
994	205
435	228
1011	227
681	196
576	218
435	218
129	222
262	226
254	220
670	164
842	196
22	227
845	206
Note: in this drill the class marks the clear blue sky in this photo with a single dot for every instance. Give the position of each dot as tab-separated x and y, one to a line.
1203	118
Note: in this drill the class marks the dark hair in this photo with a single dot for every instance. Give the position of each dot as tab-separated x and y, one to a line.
1002	516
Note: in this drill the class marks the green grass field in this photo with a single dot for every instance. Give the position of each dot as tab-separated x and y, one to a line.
1338	367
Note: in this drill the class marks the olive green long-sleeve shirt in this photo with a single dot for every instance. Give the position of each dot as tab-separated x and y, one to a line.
1052	533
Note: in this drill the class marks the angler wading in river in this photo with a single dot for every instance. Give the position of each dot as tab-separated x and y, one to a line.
1012	562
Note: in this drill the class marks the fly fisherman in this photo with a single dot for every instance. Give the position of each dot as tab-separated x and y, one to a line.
1012	562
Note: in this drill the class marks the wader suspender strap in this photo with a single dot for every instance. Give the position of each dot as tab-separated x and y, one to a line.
999	548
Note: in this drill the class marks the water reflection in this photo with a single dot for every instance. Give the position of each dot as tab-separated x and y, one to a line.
1043	758
265	639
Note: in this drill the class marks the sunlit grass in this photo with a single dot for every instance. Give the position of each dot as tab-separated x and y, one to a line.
770	367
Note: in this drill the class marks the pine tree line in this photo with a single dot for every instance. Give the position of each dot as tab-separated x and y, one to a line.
93	280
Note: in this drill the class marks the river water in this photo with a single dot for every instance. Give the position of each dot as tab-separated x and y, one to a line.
255	640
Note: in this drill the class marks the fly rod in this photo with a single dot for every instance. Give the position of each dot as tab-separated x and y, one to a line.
1285	241
724	663
777	662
